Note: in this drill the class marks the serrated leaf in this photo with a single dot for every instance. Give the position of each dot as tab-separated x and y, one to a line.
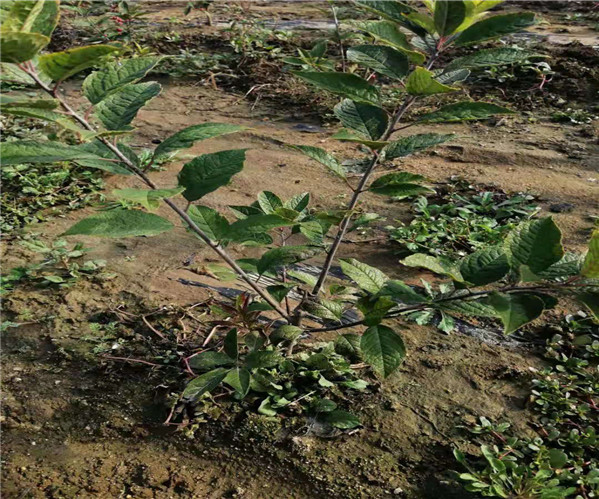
399	290
515	310
413	144
12	73
536	244
383	349
398	185
492	57
325	309
204	383
388	33
494	27
230	343
367	120
464	111
375	309
284	255
476	308
46	20
253	225
448	16
285	333
342	419
590	267
299	202
484	266
212	223
279	291
187	137
148	198
304	277
434	264
239	378
366	277
263	359
348	136
20	15
348	345
120	223
99	84
383	59
344	84
446	324
28	151
570	265
118	110
269	202
421	82
61	65
323	158
388	9
17	46
208	172
209	360
455	76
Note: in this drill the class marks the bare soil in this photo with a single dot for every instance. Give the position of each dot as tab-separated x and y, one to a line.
77	425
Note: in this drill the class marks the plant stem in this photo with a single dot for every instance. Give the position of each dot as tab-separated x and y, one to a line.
215	246
338	34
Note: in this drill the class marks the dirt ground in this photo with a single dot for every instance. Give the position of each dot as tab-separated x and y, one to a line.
76	425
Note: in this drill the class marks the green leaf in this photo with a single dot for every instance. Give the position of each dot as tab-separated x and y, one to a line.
325	309
434	264
148	198
17	46
399	290
120	223
208	172
367	120
492	57
388	9
590	267
212	223
46	20
185	138
118	109
484	266
99	84
375	309
446	324
388	33
323	405
239	378
368	278
347	136
14	74
263	359
348	345
46	115
299	202
204	383
279	291
455	76
304	277
60	65
209	360
494	27
515	310
570	265
344	84
342	419
253	225
29	151
230	343
421	82
103	153
536	244
9	101
590	300
413	143
476	308
269	202
323	158
20	15
383	59
285	333
399	185
285	255
463	111
383	349
449	15
557	458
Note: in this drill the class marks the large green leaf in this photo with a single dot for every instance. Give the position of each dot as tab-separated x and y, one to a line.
263	359
463	111
238	378
344	84
212	223
285	255
476	308
8	101
100	84
60	65
437	265
285	333
399	290
29	151
536	244
323	157
269	202
345	135
206	361
253	225
388	33
47	19
414	143
325	309
117	110
590	267
484	266
383	349
374	309
18	46
398	185
120	223
380	58
204	383
148	198
20	15
208	172
368	278
185	138
14	74
494	27
448	16
115	165
421	83
515	310
491	57
394	11
367	120
342	419
570	265
590	299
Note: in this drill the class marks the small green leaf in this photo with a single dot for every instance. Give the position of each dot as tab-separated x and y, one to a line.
323	158
494	27
399	185
380	58
204	383
239	378
492	57
263	359
476	308
254	225
412	144
60	65
421	82
367	120
590	300
323	405
148	198
342	419
20	15
344	84
284	255
557	458
212	223
285	333
383	349
208	172
118	110
17	46
348	345
399	290
10	101
448	16
570	265
120	223
388	33
348	136
209	360
590	267
434	264
368	278
484	266
375	309
230	343
325	309
515	310
269	202
463	111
